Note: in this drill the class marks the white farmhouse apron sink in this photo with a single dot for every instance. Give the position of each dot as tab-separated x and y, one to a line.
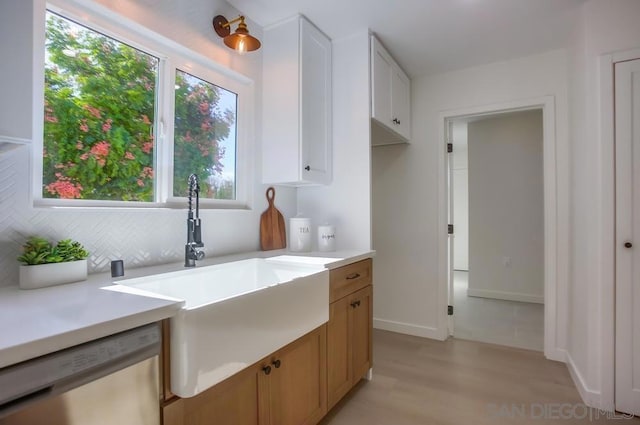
235	314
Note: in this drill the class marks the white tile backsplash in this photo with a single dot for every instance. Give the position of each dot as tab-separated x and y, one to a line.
139	237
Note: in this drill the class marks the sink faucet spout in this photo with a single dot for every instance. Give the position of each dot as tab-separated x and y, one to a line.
194	229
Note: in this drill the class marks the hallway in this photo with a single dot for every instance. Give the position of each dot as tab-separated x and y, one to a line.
510	323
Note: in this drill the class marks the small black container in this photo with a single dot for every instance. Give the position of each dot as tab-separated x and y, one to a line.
117	268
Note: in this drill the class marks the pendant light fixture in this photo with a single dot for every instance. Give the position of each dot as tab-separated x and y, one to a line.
240	40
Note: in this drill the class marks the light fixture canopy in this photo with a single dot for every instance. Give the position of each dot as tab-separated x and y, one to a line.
240	40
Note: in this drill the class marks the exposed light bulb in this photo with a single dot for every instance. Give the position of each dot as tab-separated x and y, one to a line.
242	46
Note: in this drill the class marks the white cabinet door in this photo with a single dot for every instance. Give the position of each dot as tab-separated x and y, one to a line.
381	84
390	95
297	134
400	90
315	115
627	140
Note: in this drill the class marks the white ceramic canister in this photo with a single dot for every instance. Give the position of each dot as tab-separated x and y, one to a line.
326	238
300	234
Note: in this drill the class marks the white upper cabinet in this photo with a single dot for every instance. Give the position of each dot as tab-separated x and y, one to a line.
296	100
390	97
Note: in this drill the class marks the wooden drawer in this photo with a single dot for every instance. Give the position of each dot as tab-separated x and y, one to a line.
348	279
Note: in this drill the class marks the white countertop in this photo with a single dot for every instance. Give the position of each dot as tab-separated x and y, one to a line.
40	321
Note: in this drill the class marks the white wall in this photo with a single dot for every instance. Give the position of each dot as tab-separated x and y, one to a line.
406	188
140	237
460	169
346	202
506	214
604	27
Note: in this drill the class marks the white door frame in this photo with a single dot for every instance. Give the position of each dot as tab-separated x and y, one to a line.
450	216
551	252
605	293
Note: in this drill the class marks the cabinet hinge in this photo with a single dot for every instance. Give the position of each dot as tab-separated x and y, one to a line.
449	147
450	310
450	229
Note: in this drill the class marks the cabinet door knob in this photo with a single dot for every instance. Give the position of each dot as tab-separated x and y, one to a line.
354	304
308	168
628	245
266	370
276	363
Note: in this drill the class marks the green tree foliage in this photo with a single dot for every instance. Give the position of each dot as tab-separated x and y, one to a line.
100	103
99	111
197	148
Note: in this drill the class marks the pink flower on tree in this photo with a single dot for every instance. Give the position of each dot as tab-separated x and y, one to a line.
79	145
147	147
101	149
145	119
93	111
129	155
83	126
204	108
84	156
49	115
147	172
64	188
107	125
140	183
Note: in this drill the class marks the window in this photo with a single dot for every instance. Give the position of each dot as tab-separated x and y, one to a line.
204	137
112	137
100	102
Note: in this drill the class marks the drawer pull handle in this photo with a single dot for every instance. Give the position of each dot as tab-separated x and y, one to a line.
266	370
276	363
353	276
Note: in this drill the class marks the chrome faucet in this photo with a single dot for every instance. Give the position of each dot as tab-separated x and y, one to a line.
194	232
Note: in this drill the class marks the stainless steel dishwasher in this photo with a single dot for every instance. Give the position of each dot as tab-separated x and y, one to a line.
112	380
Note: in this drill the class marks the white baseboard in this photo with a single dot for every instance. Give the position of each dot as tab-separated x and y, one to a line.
556	354
503	295
407	328
591	398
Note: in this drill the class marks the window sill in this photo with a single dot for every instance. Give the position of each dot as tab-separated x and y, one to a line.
172	204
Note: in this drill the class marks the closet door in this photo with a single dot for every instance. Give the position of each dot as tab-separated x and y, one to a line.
627	139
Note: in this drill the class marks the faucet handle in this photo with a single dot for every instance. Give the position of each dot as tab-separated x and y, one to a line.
197	233
199	255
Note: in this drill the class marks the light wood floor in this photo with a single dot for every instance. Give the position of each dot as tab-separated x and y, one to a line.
420	381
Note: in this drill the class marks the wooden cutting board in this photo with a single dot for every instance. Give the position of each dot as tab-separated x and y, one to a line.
272	230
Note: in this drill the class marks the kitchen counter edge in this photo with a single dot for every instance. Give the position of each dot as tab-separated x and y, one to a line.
41	321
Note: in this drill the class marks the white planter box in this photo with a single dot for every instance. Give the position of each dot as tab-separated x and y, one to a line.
43	275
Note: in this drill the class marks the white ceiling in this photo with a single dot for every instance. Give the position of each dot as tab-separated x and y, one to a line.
435	36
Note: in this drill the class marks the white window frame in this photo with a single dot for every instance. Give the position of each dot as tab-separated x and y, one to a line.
172	56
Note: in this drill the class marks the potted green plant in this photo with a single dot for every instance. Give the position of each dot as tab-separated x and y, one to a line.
45	264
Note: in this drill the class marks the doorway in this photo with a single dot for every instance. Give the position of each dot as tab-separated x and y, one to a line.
497	245
552	254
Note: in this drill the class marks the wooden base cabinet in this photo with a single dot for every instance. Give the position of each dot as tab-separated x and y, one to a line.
349	343
295	392
299	383
287	388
